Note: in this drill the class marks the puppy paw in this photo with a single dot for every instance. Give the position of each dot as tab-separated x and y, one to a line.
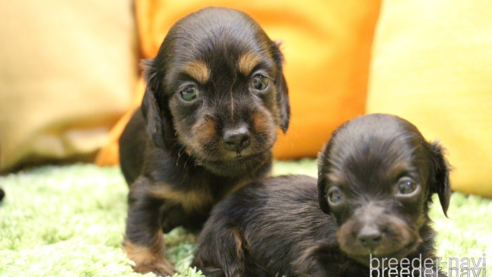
149	258
161	267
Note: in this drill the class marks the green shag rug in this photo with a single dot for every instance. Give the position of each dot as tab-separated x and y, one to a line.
69	221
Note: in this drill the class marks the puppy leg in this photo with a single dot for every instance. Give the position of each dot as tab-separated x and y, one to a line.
144	242
222	255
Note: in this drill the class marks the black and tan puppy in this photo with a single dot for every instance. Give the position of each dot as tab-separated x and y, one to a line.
215	97
376	179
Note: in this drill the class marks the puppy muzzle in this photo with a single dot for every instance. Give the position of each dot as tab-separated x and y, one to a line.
375	232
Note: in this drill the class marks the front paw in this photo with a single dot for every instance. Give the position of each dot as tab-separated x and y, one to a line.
149	258
161	267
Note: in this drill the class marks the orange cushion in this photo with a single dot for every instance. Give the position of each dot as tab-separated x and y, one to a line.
432	64
326	45
67	74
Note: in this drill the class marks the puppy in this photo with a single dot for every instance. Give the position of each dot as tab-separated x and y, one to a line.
214	99
376	179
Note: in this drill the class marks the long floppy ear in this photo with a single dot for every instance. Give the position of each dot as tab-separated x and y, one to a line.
282	96
150	107
322	199
440	183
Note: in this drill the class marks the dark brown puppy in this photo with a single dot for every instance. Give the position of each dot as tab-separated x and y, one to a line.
215	97
377	176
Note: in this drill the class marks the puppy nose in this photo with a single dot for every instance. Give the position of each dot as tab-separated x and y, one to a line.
369	237
236	139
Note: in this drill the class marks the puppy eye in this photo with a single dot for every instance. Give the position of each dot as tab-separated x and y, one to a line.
260	82
189	93
406	186
335	196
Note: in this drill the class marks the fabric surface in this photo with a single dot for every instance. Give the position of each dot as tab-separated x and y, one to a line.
69	221
432	64
326	45
68	71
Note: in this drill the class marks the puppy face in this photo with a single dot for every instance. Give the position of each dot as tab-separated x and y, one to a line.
216	91
376	176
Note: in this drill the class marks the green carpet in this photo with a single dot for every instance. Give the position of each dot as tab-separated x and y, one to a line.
69	221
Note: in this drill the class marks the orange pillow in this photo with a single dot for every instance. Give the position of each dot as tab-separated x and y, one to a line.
432	64
326	45
67	74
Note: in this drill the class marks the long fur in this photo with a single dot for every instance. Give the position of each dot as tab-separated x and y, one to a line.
287	225
181	155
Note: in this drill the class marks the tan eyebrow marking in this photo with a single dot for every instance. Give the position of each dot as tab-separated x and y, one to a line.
335	178
198	70
247	62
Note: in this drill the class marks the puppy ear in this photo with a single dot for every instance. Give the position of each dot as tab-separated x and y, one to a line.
282	96
322	199
440	183
150	107
323	203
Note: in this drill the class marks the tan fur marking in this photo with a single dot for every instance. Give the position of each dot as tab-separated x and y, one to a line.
335	178
261	122
239	243
239	185
198	70
190	200
149	258
247	62
143	254
205	132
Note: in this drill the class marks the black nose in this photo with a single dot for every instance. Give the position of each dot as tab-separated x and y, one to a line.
237	139
369	237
